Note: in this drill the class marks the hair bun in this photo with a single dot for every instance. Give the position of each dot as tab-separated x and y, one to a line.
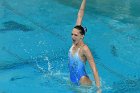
85	29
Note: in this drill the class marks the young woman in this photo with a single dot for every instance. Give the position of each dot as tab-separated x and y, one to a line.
79	53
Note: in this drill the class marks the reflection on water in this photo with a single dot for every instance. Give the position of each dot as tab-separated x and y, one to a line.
124	10
13	25
17	78
114	50
127	86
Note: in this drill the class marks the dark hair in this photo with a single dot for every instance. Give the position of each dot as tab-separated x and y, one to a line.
83	30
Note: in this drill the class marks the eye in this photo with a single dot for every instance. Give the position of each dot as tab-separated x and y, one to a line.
74	34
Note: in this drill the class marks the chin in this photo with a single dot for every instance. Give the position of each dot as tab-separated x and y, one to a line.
73	42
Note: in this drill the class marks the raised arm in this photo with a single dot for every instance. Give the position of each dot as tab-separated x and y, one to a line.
81	13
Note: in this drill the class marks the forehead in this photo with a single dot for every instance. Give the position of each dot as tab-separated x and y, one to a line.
76	31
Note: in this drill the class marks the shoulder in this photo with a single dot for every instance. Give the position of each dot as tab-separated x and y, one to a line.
86	49
87	52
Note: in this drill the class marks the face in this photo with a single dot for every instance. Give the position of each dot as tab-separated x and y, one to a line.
76	36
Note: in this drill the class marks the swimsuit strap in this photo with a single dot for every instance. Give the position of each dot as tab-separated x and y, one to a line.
71	48
80	48
77	49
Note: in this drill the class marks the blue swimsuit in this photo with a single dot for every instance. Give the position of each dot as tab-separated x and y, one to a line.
76	67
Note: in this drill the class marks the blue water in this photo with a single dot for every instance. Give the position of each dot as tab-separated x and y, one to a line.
35	36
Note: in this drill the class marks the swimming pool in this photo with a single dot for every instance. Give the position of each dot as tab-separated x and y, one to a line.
35	36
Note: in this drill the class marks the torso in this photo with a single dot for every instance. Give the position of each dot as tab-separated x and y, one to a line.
77	63
81	53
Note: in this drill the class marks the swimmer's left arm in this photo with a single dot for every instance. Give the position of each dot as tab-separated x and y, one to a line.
90	59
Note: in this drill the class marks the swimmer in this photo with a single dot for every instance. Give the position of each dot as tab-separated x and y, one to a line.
79	53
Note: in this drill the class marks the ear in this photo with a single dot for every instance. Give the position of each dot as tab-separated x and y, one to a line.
82	37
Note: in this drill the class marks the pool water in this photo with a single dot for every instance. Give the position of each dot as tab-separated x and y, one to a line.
35	36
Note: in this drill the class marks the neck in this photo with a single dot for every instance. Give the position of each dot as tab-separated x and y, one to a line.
80	43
